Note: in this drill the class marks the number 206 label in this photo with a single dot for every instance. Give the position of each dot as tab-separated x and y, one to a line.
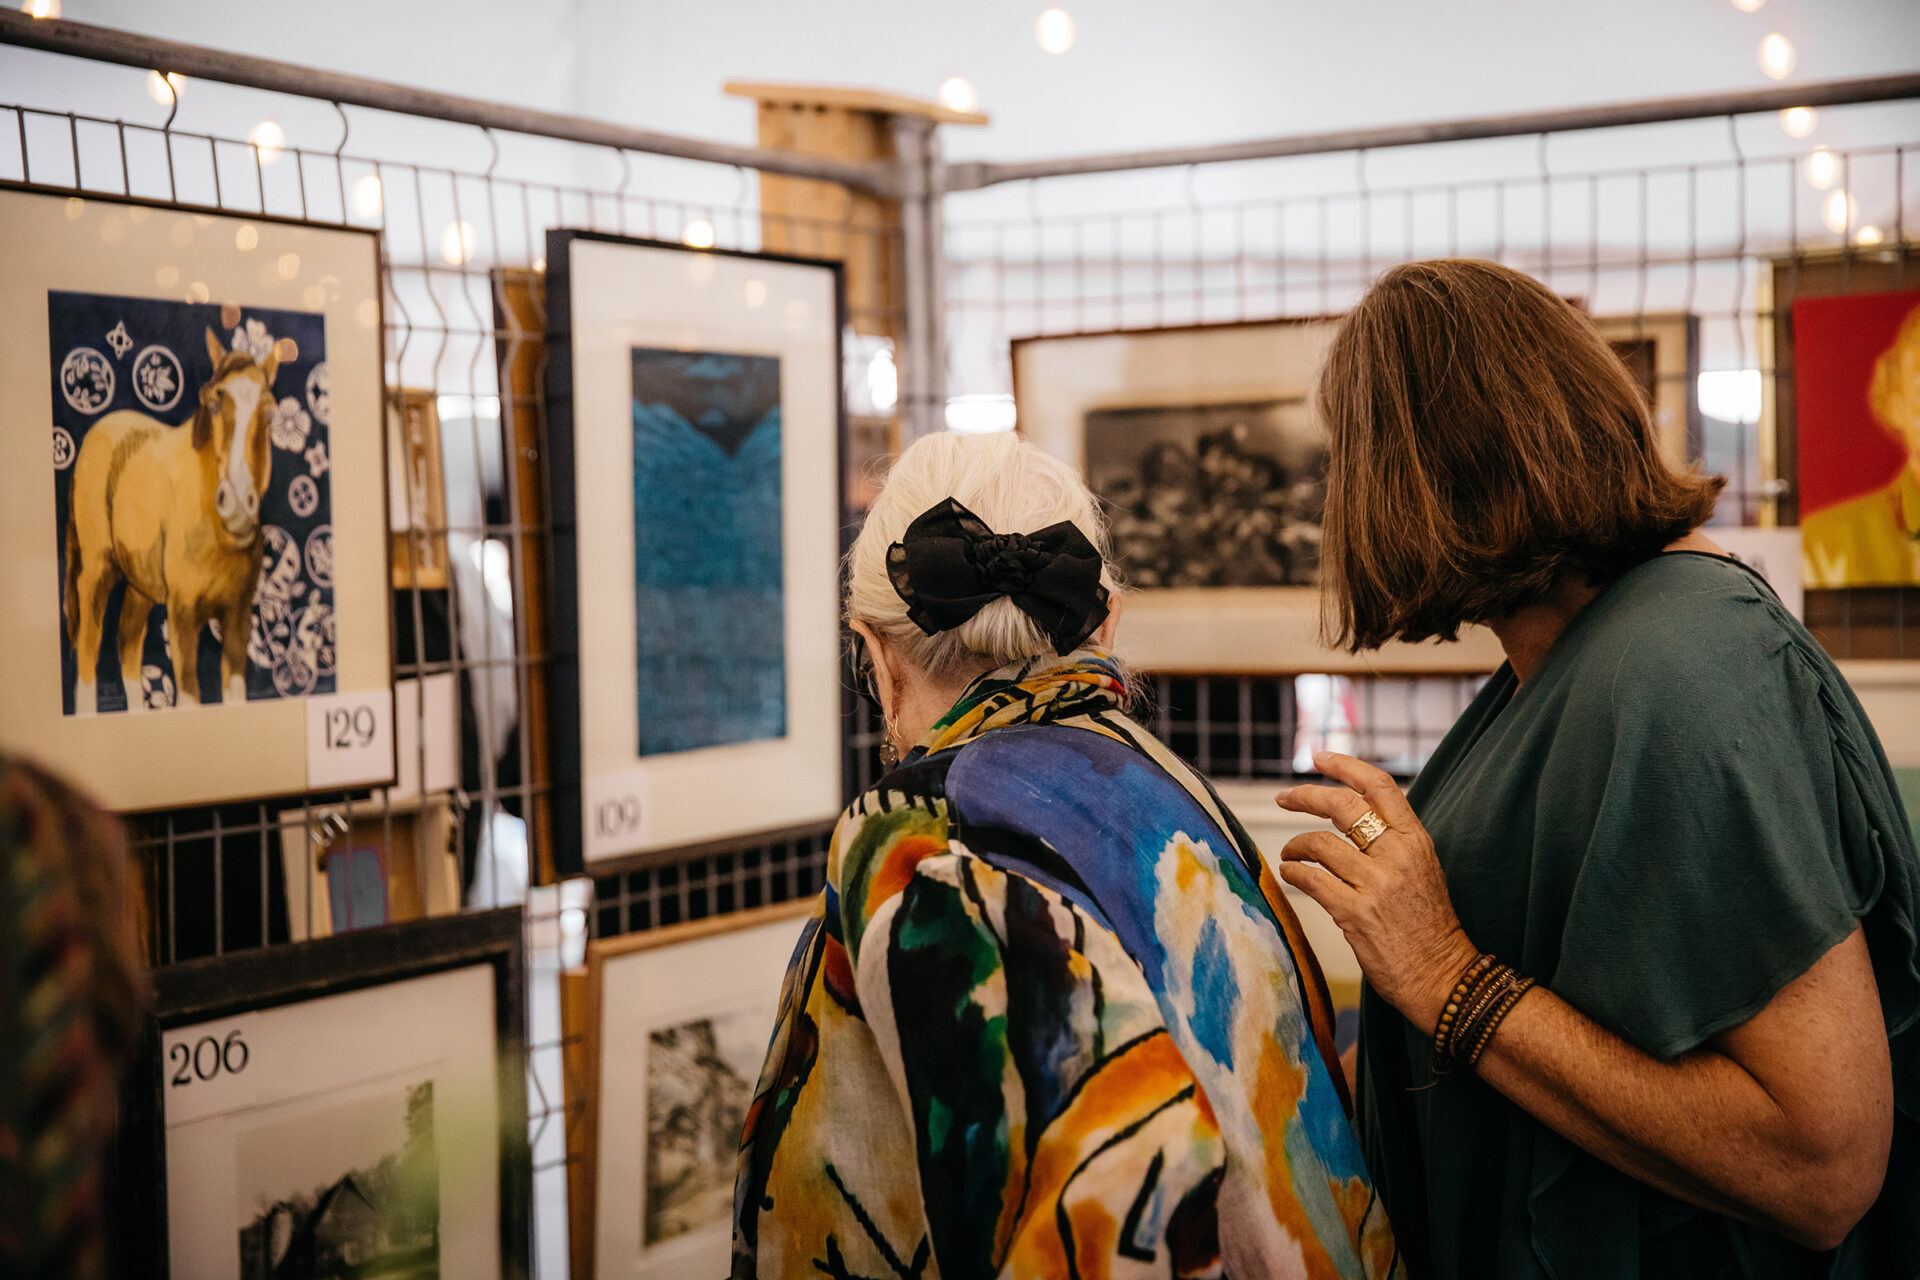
350	739
208	1069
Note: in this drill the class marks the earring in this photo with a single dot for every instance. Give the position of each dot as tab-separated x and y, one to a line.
889	753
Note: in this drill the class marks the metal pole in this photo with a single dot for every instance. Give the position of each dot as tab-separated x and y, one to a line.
103	44
910	154
1830	93
936	251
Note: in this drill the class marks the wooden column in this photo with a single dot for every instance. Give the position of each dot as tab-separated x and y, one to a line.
825	219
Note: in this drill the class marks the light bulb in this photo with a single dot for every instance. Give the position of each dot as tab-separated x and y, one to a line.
1869	236
367	198
958	94
456	242
1838	211
165	90
1748	6
1777	57
1799	121
42	8
1822	168
697	234
269	139
1054	31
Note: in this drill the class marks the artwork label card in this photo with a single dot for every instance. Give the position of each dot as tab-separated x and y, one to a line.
619	811
349	739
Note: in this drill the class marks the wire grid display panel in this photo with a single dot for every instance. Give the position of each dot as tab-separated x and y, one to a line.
453	240
1713	219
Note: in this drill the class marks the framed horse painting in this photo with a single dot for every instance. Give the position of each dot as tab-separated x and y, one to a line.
192	497
695	435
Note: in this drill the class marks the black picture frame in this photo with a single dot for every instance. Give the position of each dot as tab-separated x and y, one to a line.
201	990
564	727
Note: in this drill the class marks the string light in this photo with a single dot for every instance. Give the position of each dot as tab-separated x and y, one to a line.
1838	211
367	197
697	234
1822	168
1869	236
42	8
958	94
269	139
1777	57
1748	6
1055	31
456	242
1799	121
165	90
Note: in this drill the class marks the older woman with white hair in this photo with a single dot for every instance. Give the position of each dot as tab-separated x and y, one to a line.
1052	1016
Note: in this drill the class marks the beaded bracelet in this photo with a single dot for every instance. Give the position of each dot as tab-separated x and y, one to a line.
1463	990
1482	1035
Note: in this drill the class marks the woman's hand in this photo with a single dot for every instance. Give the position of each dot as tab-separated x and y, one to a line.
1391	901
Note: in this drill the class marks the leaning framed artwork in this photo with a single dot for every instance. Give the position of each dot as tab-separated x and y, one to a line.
1662	353
349	1106
192	482
667	1030
695	432
1203	447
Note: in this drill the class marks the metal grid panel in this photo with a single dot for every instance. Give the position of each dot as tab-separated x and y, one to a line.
1728	219
215	876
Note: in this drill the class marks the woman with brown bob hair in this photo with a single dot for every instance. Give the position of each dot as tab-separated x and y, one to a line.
1643	996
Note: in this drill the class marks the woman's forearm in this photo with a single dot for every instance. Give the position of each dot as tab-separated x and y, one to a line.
1700	1127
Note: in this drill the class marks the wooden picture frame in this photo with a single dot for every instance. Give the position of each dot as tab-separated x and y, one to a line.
649	993
148	332
417	490
1207	374
281	1091
1662	352
707	688
415	850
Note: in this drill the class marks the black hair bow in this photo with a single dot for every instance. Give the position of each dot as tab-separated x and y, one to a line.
949	566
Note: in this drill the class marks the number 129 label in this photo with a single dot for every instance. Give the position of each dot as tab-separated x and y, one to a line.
349	739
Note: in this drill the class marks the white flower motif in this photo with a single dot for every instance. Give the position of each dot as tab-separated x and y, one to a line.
120	340
303	495
290	425
253	339
317	461
320	393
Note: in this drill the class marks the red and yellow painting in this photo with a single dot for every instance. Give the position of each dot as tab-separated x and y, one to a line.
1857	403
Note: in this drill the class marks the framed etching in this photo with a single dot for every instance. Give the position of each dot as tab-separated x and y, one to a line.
198	532
349	1106
1204	450
416	490
667	1032
695	429
1662	352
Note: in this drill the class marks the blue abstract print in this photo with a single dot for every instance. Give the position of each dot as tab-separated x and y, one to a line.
710	615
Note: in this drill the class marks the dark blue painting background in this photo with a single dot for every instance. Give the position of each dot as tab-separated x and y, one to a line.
86	320
710	623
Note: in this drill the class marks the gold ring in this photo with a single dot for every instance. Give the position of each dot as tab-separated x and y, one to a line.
1369	828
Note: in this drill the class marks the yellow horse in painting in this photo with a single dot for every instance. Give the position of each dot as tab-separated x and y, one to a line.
175	513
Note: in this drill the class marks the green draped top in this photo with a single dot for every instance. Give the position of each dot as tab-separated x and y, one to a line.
1680	812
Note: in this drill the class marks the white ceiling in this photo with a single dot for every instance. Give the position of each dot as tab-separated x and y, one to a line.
1142	73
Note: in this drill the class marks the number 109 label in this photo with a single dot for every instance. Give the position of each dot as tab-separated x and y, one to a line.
350	739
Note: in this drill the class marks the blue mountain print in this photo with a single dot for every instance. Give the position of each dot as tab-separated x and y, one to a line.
710	612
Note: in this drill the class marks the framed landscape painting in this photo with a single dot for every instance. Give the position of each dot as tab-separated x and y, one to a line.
1204	450
192	482
694	413
352	1106
667	1032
